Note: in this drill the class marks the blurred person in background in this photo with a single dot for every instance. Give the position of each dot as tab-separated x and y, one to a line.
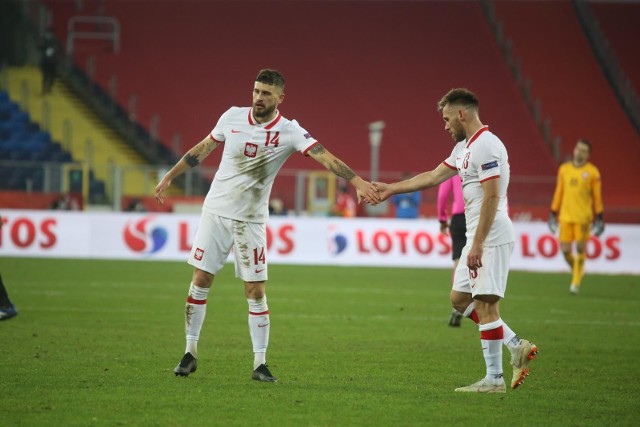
257	140
276	207
136	205
407	205
65	203
345	205
578	196
7	309
48	59
450	191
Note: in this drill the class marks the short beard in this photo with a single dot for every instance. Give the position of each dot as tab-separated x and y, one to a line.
264	113
458	136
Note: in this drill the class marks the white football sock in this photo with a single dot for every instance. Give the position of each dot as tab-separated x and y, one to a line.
259	326
195	311
511	339
491	336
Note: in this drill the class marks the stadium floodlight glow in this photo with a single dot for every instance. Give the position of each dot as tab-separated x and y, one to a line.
375	140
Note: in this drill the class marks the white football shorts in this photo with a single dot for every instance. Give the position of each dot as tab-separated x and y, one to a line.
215	238
491	278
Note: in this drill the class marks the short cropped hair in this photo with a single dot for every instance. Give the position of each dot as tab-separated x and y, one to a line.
271	77
585	142
459	96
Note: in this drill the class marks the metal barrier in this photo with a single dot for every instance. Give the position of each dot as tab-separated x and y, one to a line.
106	28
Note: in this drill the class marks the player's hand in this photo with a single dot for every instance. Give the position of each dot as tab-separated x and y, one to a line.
367	192
598	226
553	222
162	185
444	228
474	258
384	190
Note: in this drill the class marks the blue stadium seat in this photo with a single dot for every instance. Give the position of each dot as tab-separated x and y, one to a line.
21	117
19	155
37	180
61	157
45	136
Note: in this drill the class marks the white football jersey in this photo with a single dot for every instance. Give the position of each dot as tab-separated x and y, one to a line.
481	158
252	156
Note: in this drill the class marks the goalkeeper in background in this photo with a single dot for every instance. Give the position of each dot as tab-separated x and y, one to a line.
577	197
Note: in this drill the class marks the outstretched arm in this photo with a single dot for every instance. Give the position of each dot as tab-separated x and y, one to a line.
192	158
364	189
418	182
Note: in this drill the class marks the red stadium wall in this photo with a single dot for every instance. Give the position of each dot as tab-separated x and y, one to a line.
351	63
573	90
619	23
346	64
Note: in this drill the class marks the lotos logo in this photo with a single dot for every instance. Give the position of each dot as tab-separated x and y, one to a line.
145	236
337	244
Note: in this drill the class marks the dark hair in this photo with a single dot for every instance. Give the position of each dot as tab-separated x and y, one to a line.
271	77
585	142
459	96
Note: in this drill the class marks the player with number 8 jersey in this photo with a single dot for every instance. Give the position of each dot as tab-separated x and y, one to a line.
480	278
257	141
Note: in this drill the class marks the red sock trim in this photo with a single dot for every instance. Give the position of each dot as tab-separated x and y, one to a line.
196	301
474	316
492	334
259	314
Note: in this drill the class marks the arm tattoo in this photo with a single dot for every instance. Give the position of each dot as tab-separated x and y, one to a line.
342	170
191	160
207	148
317	149
199	152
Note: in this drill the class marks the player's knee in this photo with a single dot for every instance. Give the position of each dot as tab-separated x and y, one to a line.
201	278
460	300
460	306
254	290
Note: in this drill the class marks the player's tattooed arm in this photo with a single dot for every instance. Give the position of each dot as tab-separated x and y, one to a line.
329	161
198	153
317	150
189	160
342	170
364	189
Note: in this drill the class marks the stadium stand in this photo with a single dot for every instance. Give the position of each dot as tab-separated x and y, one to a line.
573	90
619	21
360	71
105	148
22	143
347	64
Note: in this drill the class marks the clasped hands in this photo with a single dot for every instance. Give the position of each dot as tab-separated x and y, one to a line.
373	193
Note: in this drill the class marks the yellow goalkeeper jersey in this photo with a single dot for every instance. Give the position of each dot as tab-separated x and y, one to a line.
578	193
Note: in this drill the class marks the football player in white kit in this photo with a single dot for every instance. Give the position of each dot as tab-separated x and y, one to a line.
480	281
257	140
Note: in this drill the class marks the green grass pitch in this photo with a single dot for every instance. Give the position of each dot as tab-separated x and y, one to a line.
95	343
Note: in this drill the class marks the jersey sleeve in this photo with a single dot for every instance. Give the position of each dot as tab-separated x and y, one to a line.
557	195
450	161
596	190
300	138
487	161
218	131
